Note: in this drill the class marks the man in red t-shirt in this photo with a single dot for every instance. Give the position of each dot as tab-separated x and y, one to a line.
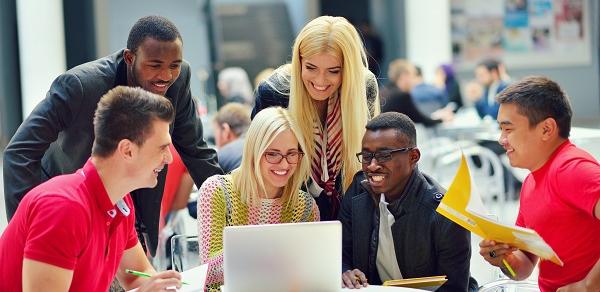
76	232
560	199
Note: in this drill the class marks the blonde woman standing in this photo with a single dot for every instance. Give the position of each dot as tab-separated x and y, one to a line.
331	94
265	189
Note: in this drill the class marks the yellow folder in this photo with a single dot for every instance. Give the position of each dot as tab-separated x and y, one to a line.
454	206
429	283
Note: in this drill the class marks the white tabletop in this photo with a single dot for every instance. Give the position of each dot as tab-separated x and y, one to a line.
468	126
370	288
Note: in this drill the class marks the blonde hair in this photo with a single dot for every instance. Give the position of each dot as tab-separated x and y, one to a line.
336	36
247	178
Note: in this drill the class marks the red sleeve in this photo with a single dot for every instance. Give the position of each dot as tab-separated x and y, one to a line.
58	231
577	183
174	173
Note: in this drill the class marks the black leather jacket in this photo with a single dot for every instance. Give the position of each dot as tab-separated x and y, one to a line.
426	243
56	138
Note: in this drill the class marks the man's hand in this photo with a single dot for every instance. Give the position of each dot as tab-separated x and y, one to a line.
494	252
161	281
354	279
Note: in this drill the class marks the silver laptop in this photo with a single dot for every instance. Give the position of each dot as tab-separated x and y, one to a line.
283	257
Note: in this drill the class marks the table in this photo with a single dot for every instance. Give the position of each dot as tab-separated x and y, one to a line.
468	126
370	288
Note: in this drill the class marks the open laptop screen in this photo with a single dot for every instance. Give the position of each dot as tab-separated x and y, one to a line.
283	257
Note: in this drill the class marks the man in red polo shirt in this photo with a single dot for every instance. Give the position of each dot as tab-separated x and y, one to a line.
76	232
560	199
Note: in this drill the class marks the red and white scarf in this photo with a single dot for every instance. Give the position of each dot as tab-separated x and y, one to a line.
327	160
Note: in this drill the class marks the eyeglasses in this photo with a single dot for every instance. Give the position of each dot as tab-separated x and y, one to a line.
276	157
381	156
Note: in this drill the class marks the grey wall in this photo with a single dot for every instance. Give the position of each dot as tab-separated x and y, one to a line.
582	83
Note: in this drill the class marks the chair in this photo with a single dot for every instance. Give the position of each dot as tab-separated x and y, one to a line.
485	167
434	148
185	252
507	285
179	222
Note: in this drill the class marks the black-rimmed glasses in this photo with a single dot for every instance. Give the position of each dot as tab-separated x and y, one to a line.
381	155
276	157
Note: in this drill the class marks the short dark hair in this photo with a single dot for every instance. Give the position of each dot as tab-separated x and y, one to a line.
539	98
156	27
490	65
397	121
127	113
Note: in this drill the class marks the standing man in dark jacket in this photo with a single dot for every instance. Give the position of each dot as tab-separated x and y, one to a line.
413	240
56	138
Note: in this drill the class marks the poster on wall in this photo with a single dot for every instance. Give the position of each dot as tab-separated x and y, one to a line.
521	33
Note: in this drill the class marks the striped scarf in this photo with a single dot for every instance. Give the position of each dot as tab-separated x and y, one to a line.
327	161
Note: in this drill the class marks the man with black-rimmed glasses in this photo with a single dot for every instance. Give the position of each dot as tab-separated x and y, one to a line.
413	240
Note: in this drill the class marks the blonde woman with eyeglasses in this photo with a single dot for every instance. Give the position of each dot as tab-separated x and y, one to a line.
265	189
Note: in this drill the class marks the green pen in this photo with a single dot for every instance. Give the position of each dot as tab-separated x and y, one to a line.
141	274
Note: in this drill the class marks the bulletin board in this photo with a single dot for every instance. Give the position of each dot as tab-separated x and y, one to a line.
521	33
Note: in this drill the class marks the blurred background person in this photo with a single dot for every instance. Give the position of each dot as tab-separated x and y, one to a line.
427	97
230	124
445	78
503	72
396	97
488	76
234	85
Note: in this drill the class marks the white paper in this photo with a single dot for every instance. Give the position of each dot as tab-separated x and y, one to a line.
196	277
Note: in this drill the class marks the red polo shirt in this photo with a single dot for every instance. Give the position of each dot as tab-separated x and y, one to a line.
69	222
558	202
